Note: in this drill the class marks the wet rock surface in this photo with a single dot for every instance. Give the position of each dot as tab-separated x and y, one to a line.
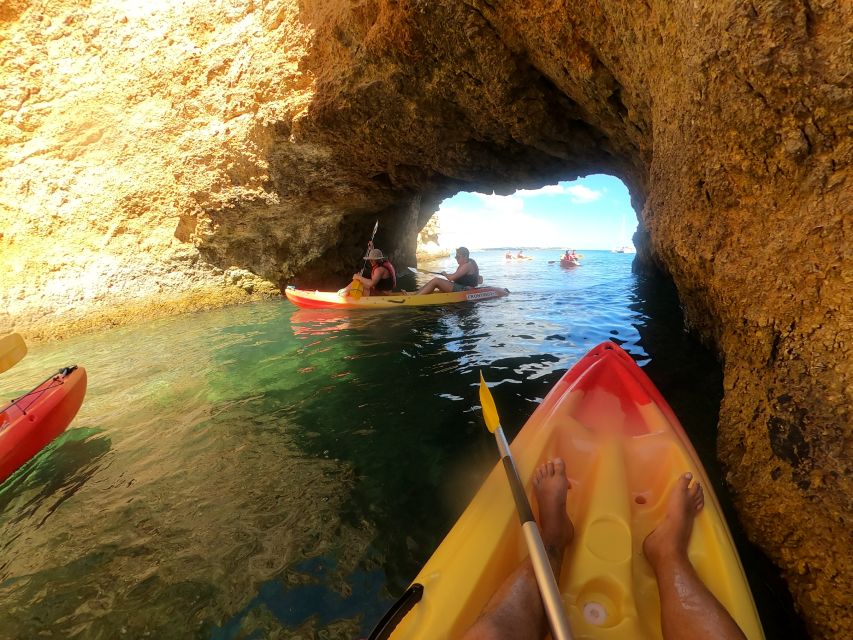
208	155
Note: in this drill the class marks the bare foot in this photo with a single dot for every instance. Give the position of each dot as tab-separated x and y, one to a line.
551	487
669	539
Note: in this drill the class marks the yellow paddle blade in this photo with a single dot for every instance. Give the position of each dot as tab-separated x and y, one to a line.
356	290
12	349
490	411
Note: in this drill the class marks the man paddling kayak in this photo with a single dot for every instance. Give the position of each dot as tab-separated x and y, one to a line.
383	276
688	608
467	275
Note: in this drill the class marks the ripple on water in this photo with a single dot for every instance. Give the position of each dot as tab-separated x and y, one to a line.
258	469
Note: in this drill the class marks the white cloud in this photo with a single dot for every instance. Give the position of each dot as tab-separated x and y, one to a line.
581	194
565	214
497	221
578	193
507	205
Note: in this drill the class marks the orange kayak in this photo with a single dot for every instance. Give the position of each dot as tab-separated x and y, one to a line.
29	423
624	450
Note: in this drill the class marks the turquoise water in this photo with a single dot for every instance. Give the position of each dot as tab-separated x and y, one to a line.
263	471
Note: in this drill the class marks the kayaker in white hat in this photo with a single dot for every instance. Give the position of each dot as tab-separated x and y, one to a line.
383	276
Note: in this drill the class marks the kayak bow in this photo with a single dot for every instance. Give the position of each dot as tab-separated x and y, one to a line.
624	450
29	423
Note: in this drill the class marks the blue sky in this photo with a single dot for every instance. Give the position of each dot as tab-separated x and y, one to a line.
591	213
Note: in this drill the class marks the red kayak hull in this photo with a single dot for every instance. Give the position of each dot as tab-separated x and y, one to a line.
31	422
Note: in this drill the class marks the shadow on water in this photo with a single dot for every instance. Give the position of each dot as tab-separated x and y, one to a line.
53	476
271	472
380	419
31	495
691	380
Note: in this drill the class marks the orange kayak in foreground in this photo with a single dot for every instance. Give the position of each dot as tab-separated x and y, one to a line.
29	423
331	300
624	450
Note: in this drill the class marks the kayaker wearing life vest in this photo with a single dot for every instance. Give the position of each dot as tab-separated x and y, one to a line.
383	276
467	275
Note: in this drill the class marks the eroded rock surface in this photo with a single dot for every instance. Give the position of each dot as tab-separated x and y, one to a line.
197	152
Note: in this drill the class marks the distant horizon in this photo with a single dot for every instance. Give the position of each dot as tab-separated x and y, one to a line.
518	248
594	212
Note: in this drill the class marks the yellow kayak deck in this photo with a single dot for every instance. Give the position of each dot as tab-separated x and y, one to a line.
624	450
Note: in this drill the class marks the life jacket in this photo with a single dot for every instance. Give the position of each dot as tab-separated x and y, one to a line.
385	284
470	279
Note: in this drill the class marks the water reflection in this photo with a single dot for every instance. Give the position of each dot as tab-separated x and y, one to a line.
39	488
264	470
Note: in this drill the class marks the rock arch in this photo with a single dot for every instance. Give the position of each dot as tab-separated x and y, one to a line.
192	147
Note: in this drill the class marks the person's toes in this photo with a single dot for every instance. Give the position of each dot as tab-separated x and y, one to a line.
698	496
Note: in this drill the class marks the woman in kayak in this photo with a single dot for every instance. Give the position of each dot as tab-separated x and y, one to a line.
466	276
383	276
688	608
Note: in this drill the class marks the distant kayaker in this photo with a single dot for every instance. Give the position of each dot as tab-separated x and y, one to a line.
688	608
520	255
383	276
467	275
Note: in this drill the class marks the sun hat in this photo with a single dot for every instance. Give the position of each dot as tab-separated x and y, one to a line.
375	254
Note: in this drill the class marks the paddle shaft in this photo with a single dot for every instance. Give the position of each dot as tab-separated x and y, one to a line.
435	273
357	287
372	236
551	598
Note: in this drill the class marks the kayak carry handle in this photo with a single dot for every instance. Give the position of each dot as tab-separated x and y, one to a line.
397	612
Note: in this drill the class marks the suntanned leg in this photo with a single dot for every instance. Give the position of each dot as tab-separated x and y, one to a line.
688	608
429	287
436	283
515	610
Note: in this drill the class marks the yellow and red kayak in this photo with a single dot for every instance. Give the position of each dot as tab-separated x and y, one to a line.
29	423
331	300
624	449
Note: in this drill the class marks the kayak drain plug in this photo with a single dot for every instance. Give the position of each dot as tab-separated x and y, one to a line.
595	613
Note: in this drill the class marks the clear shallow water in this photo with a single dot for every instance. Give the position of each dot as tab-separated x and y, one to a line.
264	471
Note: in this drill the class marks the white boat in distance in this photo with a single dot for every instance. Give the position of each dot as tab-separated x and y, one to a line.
626	247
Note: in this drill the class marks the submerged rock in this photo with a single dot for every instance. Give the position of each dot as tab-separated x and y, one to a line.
200	153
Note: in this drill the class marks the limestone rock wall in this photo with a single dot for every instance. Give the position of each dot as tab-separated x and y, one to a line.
193	151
